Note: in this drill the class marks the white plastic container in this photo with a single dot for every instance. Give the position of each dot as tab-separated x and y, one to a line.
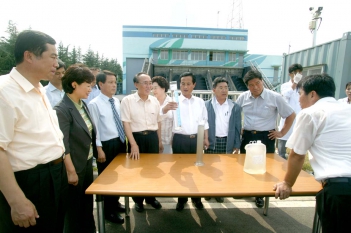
255	160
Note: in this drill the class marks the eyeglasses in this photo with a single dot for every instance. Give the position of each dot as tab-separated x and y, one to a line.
145	83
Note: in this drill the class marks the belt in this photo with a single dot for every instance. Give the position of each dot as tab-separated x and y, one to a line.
146	132
53	162
336	180
255	131
187	135
222	137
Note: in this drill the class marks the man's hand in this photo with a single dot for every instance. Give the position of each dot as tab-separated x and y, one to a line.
160	147
206	143
273	134
282	190
72	178
101	156
169	106
134	152
24	213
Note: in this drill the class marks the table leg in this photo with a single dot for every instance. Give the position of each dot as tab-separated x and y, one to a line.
316	223
266	205
126	203
100	213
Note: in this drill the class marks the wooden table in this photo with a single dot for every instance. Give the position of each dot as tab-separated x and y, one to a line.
175	175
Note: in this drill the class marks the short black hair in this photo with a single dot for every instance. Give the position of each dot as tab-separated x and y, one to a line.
348	84
101	77
252	74
295	67
161	81
185	74
322	84
61	64
136	77
78	74
32	41
219	80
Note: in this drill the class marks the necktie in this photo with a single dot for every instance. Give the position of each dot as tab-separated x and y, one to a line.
118	122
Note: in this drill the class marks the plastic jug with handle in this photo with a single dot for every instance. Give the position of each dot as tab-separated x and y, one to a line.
255	160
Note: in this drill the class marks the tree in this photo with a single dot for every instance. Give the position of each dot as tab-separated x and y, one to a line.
62	52
7	47
73	57
89	58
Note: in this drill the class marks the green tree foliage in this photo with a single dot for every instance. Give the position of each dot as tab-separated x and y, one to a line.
69	57
7	46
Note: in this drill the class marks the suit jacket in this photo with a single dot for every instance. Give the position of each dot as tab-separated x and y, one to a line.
76	134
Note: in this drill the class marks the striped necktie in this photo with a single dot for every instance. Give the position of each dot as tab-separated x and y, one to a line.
118	122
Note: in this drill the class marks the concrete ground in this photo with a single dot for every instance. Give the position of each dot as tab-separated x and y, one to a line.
234	215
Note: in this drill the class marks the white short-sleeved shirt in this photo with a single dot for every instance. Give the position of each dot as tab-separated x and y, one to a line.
324	130
54	95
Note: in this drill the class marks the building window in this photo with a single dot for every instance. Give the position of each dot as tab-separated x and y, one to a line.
180	55
180	35
160	35
237	37
196	36
198	55
216	56
232	57
164	54
218	37
312	70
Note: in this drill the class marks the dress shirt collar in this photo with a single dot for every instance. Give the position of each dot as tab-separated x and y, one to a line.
182	98
137	97
52	87
263	94
217	103
23	82
104	97
324	100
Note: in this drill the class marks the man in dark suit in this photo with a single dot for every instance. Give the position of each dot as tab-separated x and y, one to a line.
79	139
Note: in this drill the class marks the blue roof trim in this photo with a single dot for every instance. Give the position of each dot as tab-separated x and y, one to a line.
187	28
150	34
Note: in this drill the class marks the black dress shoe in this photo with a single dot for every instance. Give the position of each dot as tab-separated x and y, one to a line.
259	202
198	205
207	198
139	207
180	206
219	199
156	204
121	208
114	217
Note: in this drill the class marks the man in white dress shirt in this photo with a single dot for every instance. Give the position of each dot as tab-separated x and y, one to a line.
54	90
291	96
323	129
192	110
108	141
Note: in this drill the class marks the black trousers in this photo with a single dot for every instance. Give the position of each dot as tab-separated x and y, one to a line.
111	149
262	135
79	217
334	207
184	144
147	144
47	189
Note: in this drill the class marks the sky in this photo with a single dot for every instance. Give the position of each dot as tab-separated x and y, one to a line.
272	25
